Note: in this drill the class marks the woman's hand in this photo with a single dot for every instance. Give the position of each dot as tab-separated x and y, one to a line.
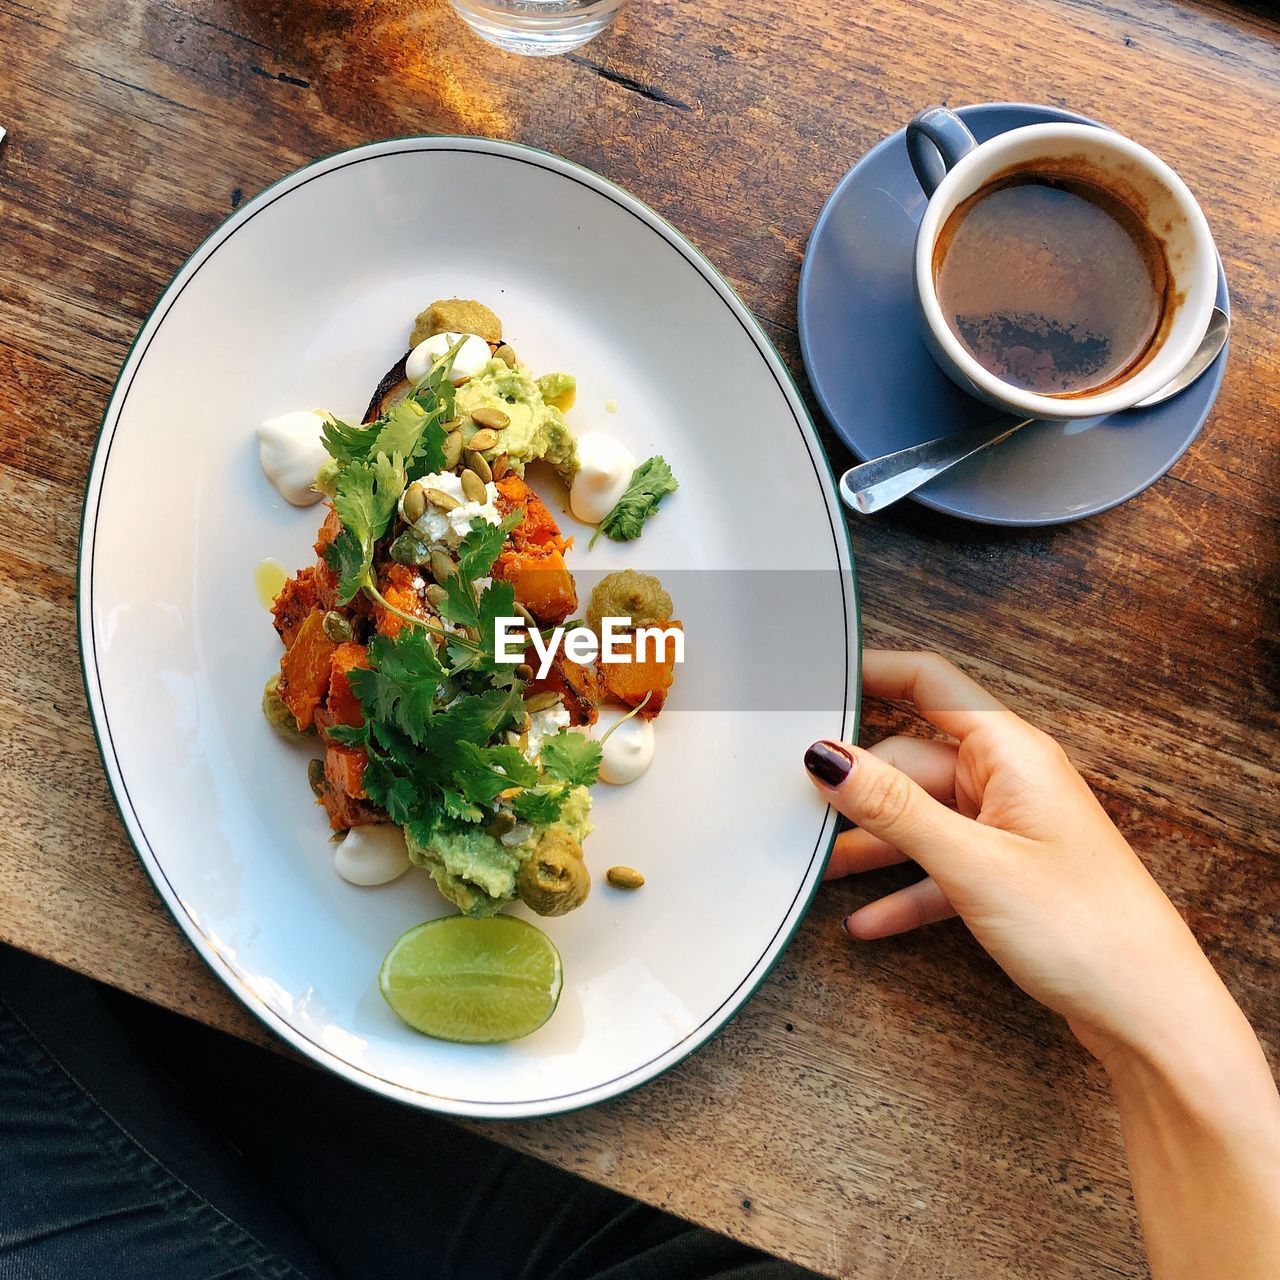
1016	844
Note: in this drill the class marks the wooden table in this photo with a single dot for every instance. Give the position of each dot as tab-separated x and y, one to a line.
893	1111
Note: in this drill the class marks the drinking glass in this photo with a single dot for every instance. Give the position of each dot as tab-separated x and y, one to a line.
537	27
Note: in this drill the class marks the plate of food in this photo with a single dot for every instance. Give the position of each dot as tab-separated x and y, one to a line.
461	582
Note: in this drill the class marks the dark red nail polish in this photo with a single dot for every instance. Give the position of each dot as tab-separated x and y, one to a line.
829	762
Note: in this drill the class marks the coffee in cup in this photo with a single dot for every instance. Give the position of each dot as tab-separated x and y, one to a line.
1061	270
1080	292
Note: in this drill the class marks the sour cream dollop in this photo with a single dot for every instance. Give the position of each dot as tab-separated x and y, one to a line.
448	528
291	452
604	471
369	855
629	750
472	356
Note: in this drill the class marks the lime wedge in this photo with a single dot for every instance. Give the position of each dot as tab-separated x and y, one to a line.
476	981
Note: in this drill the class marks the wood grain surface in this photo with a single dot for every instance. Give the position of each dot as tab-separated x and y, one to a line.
888	1112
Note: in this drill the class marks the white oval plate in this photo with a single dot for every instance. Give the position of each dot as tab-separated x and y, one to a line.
304	298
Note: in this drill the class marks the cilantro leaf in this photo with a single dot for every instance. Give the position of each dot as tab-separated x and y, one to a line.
421	829
572	758
483	544
477	717
412	428
461	605
348	735
538	804
518	771
346	443
367	494
414	434
366	498
435	391
651	481
483	773
456	805
401	683
346	557
399	797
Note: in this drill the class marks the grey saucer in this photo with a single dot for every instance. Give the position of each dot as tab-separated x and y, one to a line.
882	391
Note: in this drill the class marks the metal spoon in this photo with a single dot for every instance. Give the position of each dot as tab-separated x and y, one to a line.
872	486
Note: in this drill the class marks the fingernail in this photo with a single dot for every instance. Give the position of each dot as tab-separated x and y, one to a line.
829	762
844	924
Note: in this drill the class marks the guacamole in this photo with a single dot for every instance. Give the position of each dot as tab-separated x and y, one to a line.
537	429
476	872
473	870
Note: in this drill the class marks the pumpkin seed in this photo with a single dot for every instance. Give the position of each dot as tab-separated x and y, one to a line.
435	594
336	627
542	701
316	778
442	566
487	416
452	449
438	498
503	821
408	548
624	877
473	488
501	465
524	671
518	834
415	502
507	354
526	615
452	425
483	439
476	461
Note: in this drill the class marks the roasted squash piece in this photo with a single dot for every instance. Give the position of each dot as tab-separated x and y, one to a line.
326	581
304	669
538	531
297	598
344	809
344	769
343	705
396	582
628	682
580	686
341	774
330	527
543	584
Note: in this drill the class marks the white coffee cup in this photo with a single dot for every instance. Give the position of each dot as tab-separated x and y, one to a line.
952	165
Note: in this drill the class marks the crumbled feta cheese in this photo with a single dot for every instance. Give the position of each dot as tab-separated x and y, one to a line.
448	528
544	724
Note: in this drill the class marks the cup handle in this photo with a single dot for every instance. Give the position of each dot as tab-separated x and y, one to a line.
936	139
